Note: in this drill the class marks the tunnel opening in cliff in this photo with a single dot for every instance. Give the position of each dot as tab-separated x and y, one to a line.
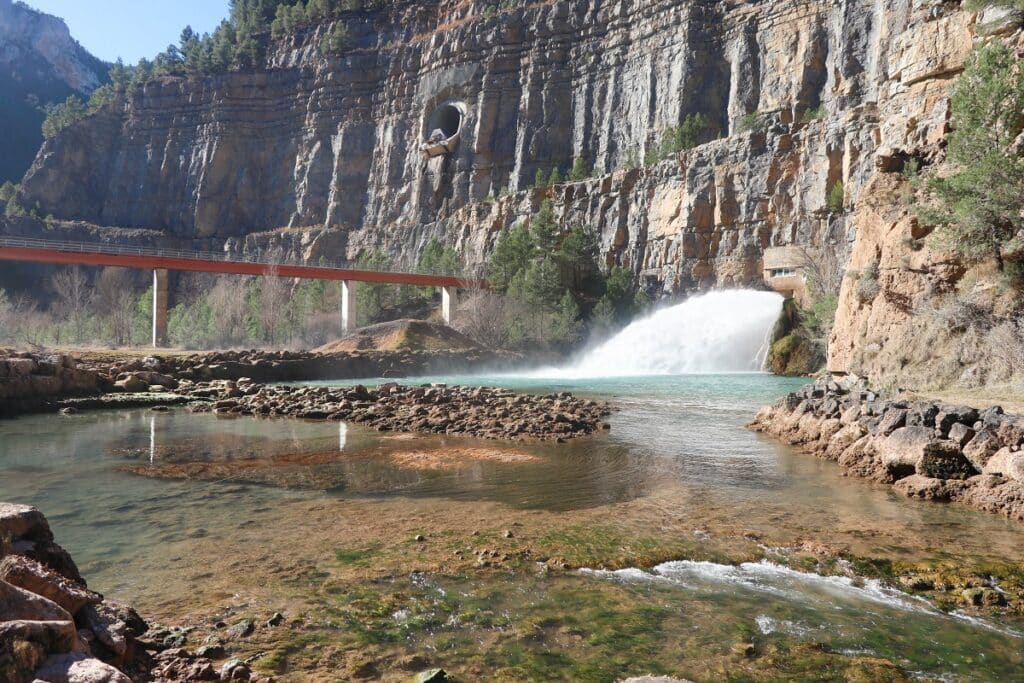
443	127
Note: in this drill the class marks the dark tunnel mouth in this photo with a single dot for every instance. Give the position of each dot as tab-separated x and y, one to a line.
447	118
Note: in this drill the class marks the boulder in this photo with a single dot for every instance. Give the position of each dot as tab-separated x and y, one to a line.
23	521
1009	464
942	459
905	446
78	668
31	618
33	576
892	419
981	447
51	555
960	434
947	416
132	384
115	626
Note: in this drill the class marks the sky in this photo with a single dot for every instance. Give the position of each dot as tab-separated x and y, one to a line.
132	29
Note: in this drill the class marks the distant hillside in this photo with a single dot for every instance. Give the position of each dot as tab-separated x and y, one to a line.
40	63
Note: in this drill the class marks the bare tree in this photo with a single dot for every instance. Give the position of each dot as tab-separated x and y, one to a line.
22	323
483	317
74	299
824	271
275	293
227	299
116	301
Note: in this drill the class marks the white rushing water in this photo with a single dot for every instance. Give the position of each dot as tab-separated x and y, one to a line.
723	331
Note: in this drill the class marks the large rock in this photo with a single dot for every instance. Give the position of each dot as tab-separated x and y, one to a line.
31	618
30	575
905	447
981	448
78	668
1009	464
23	521
942	459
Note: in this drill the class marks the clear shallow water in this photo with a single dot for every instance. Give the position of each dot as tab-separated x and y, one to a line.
678	441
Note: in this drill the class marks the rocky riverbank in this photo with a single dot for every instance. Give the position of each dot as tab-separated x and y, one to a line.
924	449
43	382
54	629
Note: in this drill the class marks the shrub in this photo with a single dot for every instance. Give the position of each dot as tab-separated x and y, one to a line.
867	284
580	169
754	122
814	114
836	200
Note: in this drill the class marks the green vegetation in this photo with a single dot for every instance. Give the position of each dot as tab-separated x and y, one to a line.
7	191
979	204
867	284
836	200
551	280
59	117
336	40
581	170
754	122
815	114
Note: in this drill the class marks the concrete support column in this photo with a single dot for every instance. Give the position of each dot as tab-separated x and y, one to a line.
449	302
159	307
348	305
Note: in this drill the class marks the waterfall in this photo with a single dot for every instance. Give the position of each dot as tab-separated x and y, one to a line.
722	331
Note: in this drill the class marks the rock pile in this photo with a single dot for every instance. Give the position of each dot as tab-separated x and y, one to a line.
53	627
469	411
925	449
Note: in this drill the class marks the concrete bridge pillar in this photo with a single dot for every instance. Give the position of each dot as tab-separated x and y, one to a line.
348	306
449	302
159	307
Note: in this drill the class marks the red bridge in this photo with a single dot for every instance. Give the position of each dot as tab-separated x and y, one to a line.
160	261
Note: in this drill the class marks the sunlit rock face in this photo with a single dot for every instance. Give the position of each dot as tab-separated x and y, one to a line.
333	146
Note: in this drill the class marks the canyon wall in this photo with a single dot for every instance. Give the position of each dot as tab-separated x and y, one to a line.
40	64
322	154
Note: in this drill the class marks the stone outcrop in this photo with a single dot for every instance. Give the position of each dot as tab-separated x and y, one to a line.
926	450
803	95
30	376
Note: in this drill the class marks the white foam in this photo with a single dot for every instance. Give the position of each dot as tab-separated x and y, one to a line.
718	332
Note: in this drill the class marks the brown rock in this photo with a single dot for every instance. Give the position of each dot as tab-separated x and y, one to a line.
78	668
23	521
30	575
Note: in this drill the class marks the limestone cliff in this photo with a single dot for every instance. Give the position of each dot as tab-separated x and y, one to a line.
329	147
40	63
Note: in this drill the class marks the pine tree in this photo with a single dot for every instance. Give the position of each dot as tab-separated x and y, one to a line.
981	203
544	228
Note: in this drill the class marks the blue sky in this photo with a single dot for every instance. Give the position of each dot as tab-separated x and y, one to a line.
132	28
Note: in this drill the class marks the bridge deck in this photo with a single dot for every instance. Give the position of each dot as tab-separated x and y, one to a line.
91	254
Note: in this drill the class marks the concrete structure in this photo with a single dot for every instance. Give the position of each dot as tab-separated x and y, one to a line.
162	261
784	271
159	307
449	303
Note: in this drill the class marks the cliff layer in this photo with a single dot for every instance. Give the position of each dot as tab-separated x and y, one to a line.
322	154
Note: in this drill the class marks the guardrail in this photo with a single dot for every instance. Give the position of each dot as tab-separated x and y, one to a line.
223	257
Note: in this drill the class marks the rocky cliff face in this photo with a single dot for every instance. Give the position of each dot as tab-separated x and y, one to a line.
330	147
40	63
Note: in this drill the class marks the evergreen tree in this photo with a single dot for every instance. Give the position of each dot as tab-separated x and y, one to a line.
59	117
544	228
981	203
512	254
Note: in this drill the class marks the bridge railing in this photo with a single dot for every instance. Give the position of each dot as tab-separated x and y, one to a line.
222	256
